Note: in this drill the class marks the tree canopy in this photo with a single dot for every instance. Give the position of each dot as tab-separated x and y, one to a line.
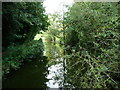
22	21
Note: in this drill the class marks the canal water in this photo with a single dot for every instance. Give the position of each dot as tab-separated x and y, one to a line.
55	75
31	75
35	74
42	73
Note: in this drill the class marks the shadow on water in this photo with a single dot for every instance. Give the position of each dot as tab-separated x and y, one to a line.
31	75
46	73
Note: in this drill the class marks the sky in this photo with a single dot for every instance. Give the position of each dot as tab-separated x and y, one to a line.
53	6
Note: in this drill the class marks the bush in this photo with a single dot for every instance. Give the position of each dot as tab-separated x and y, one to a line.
92	36
16	55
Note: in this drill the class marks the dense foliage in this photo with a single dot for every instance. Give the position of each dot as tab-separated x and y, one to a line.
92	42
52	36
21	21
17	55
85	40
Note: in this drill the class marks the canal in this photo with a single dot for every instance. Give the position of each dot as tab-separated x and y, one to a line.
42	73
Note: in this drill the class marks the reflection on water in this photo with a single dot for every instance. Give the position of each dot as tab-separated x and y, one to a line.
54	52
55	76
37	74
31	75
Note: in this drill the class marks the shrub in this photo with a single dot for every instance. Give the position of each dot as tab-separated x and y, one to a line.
18	54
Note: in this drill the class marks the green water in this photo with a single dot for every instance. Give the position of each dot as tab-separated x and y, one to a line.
31	75
35	74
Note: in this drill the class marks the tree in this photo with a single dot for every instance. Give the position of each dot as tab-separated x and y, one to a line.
22	21
92	37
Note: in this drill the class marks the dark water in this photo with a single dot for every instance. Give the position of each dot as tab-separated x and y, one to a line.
37	74
31	75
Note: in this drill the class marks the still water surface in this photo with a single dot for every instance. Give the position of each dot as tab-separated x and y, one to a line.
34	74
39	73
